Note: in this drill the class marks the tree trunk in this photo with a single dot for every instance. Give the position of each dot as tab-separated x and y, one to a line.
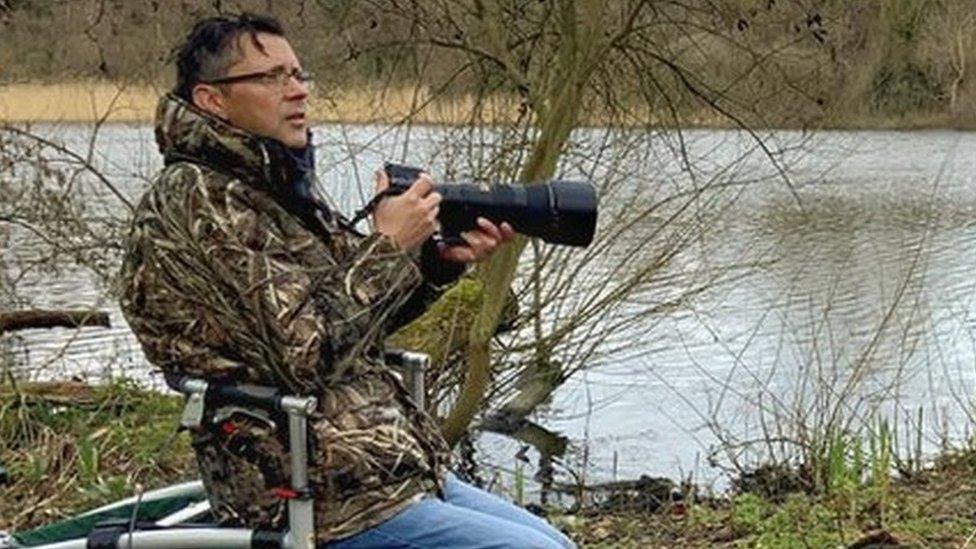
557	116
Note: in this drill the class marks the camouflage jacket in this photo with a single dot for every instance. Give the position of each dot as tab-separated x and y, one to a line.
227	277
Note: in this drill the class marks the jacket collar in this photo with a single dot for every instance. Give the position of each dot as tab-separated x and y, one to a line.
187	133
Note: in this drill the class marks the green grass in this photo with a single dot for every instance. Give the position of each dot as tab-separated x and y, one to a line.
69	448
932	509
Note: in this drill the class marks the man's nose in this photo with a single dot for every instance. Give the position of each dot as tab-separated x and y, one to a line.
295	89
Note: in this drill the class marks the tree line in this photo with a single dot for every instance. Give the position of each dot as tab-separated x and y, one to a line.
798	62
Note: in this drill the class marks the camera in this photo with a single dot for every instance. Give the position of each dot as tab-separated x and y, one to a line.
558	212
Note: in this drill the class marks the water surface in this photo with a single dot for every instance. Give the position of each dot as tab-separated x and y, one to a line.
868	285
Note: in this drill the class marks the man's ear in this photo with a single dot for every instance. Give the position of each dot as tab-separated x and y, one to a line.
210	99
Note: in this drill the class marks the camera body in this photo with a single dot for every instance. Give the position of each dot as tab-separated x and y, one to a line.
558	212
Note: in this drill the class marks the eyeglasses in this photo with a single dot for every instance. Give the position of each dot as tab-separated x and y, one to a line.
275	77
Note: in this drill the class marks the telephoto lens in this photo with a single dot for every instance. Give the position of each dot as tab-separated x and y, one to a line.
558	212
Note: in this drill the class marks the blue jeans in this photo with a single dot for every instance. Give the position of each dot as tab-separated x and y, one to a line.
467	517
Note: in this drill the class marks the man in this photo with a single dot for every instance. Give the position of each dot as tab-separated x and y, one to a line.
236	272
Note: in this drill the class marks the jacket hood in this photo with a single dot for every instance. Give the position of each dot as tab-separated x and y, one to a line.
187	133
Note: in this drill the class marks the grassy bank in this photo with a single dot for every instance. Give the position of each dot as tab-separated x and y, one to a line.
932	509
70	447
91	101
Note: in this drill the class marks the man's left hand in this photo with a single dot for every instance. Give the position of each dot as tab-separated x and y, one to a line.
480	243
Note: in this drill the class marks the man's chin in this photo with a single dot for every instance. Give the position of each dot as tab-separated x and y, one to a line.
296	141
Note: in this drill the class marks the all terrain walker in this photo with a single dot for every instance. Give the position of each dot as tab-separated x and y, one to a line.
179	517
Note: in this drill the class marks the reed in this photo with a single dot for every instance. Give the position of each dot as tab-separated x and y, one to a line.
91	101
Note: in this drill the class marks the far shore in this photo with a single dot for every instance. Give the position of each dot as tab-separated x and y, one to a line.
102	101
88	102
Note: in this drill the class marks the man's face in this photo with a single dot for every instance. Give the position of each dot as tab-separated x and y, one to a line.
260	105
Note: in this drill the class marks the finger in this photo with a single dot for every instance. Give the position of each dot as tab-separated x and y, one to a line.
422	232
457	254
488	241
381	181
432	200
469	238
479	242
422	186
507	231
490	228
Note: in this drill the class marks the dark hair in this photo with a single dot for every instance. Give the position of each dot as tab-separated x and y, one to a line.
212	47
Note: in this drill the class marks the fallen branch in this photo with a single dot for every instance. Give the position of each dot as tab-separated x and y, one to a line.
644	494
644	483
39	318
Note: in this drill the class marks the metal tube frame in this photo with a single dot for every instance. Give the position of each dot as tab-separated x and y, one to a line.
301	515
175	538
414	366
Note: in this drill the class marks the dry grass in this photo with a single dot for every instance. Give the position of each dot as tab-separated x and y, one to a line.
367	105
76	102
89	101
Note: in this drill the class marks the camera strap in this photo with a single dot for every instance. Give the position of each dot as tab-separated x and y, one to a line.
370	206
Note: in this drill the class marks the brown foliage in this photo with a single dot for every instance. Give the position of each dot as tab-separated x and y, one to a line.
796	62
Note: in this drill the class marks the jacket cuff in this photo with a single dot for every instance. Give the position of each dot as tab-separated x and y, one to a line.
437	271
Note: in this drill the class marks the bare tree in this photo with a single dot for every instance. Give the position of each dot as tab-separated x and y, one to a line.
555	66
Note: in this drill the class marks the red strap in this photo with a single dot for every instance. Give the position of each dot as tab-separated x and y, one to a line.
284	493
228	428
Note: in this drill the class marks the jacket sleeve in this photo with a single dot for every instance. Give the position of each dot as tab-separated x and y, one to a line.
268	295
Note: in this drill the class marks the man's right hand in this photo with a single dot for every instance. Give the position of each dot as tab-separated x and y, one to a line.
409	218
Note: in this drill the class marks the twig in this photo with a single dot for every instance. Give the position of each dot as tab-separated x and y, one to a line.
969	540
74	156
